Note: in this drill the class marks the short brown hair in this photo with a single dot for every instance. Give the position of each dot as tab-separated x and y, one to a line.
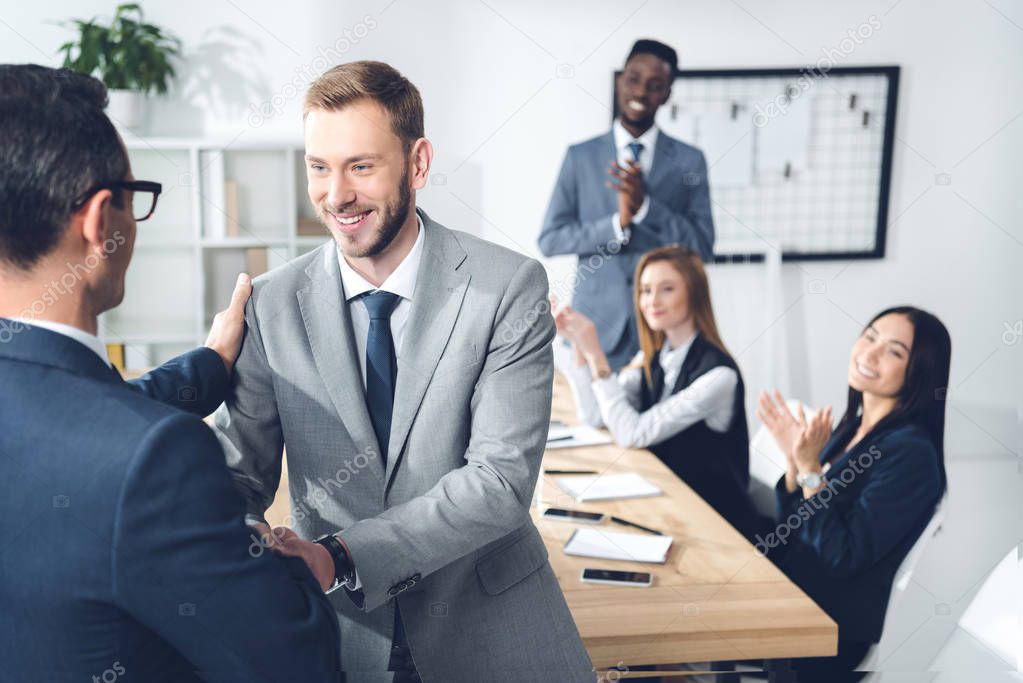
347	83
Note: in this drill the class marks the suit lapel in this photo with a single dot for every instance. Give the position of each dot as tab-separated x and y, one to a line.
438	296
664	151
607	195
839	441
328	325
693	356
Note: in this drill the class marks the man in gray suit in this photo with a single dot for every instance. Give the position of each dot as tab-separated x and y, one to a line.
624	193
408	370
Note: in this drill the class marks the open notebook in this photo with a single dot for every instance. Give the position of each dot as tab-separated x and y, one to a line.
606	486
611	545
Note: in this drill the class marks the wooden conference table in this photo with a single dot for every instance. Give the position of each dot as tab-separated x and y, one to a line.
714	599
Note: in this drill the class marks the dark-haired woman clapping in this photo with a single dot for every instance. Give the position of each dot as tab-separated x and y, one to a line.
854	501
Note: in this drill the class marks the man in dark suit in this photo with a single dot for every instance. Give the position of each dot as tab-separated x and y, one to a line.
125	547
624	193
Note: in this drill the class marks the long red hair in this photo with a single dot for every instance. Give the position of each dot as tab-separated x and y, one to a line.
689	265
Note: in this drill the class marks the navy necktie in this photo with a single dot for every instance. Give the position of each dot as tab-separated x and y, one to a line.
636	148
381	365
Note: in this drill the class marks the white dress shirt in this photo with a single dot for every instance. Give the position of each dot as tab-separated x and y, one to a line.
401	282
89	341
615	401
646	162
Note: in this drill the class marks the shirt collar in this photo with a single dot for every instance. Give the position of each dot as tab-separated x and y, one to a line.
401	282
672	359
89	341
624	137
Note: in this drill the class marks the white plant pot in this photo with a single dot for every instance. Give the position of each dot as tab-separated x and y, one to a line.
127	108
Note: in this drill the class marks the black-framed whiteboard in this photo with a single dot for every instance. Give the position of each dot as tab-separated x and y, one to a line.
799	159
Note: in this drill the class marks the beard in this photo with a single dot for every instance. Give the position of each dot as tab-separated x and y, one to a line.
391	219
642	121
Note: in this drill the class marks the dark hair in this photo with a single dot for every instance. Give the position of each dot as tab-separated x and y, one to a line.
56	144
921	400
657	49
377	81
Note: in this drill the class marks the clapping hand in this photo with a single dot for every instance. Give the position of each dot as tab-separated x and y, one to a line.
628	181
811	440
785	427
576	328
800	440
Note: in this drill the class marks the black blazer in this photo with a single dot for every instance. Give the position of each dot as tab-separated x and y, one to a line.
714	464
125	547
844	545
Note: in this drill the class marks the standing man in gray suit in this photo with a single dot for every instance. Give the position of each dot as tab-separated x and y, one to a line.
408	369
624	193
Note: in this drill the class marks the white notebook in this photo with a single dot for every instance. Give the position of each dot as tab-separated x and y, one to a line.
564	436
611	545
607	486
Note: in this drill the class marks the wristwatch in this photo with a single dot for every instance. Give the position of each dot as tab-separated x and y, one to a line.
810	480
344	574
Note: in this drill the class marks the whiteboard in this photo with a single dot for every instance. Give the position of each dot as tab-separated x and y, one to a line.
799	160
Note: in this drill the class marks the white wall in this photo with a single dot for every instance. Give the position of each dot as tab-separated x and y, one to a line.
500	118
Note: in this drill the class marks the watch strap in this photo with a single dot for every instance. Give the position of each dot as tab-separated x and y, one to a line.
343	571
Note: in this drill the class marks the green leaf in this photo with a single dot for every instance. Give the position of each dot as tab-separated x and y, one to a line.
127	53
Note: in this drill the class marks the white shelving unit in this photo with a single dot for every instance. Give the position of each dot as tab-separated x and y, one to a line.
187	256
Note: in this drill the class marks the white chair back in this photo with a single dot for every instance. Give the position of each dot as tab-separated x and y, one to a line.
767	465
903	576
909	563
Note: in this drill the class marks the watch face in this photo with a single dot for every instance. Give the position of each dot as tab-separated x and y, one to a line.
811	480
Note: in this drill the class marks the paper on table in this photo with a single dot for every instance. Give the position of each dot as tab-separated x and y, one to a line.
611	545
607	486
564	436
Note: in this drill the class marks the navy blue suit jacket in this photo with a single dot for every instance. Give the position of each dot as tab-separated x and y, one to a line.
125	548
844	547
579	221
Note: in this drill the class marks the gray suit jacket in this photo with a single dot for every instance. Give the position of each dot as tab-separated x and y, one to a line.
444	527
579	217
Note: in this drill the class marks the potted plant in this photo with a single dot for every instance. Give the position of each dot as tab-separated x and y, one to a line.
131	57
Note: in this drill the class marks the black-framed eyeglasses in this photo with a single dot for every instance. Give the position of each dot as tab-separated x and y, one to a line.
143	195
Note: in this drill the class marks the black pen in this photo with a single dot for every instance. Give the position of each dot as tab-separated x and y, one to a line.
619	520
569	472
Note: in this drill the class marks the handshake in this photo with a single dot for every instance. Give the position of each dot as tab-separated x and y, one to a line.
286	543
